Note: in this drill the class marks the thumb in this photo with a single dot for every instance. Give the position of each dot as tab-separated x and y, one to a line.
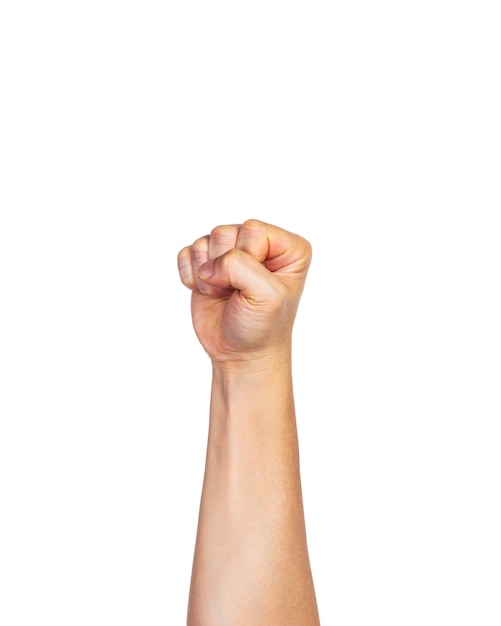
239	270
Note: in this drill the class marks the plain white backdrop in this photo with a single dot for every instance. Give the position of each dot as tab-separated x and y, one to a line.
129	129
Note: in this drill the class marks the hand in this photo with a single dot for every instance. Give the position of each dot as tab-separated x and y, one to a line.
246	281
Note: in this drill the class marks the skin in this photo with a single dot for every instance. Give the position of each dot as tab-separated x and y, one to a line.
251	564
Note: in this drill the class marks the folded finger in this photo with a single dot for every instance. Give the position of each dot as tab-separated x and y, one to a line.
239	270
222	239
200	255
186	268
277	248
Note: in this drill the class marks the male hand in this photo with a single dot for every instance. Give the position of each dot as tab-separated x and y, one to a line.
246	281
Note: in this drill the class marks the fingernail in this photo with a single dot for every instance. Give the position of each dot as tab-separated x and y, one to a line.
206	270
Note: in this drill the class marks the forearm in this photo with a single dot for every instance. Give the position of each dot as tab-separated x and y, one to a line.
251	562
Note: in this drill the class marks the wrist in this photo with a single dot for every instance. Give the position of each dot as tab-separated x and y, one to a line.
264	362
252	400
251	381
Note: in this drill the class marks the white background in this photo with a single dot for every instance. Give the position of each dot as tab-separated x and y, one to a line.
127	130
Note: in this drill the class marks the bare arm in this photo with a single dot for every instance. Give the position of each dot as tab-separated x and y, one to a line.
251	564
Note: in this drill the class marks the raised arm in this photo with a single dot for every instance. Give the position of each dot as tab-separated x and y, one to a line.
251	564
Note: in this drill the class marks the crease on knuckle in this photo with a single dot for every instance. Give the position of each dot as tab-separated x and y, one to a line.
183	256
253	224
308	250
220	232
199	244
253	228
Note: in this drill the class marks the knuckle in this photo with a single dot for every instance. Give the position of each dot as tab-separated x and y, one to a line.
253	225
182	256
199	251
222	231
308	249
199	244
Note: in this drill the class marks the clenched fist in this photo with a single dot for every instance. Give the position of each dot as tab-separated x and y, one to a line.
246	282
